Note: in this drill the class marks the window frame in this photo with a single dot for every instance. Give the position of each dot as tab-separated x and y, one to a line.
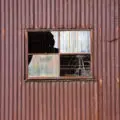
26	76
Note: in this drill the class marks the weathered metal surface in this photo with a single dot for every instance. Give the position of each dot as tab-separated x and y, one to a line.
60	100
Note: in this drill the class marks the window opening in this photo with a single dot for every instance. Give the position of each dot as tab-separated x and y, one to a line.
59	54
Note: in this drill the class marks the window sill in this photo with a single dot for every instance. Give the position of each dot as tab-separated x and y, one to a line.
59	79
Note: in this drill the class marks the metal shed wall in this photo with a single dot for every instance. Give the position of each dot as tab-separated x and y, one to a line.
77	100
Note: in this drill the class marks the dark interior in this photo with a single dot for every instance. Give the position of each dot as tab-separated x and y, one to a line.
41	42
74	65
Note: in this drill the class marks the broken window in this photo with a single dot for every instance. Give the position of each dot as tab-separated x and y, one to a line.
59	54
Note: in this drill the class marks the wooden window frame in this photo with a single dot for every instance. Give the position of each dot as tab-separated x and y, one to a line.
26	77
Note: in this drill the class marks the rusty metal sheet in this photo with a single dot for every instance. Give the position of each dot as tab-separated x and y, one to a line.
60	100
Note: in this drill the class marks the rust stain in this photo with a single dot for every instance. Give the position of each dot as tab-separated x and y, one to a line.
3	32
100	82
118	81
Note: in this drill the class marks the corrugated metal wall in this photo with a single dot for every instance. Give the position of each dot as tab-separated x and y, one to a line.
85	100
